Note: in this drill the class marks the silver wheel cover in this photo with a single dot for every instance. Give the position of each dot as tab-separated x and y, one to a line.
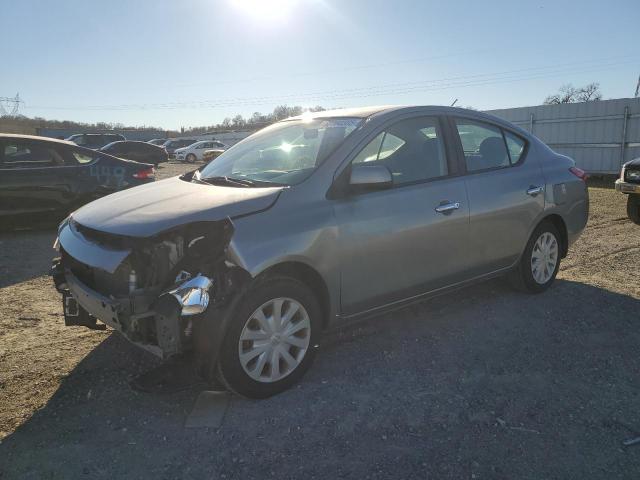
274	340
544	258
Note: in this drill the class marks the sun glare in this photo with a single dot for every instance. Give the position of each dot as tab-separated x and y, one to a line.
267	10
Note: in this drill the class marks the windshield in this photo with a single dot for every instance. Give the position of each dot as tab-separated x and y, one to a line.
285	153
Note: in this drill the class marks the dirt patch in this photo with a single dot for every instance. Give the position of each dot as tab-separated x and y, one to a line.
481	383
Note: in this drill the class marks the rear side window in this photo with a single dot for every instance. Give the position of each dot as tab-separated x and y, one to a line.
29	155
483	145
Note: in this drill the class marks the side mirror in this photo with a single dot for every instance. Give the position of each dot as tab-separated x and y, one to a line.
370	177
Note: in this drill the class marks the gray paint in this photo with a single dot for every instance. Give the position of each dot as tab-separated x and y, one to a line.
373	250
591	133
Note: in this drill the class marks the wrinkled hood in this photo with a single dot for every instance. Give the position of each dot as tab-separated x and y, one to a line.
149	209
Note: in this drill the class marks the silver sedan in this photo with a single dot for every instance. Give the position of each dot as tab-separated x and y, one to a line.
314	221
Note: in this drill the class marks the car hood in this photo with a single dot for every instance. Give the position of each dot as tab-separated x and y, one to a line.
181	149
633	163
149	209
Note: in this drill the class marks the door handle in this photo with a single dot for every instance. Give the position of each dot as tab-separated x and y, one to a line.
447	207
533	191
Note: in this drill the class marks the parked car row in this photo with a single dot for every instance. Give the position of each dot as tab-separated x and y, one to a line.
154	151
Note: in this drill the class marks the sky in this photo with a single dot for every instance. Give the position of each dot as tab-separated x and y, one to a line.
186	63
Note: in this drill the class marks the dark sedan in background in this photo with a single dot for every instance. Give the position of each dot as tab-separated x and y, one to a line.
45	179
95	140
137	151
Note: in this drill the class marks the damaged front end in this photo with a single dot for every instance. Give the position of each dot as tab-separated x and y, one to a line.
155	290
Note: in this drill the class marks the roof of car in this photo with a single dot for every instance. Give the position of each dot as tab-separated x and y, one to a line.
358	112
35	137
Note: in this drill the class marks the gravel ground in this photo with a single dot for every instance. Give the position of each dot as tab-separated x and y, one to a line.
481	383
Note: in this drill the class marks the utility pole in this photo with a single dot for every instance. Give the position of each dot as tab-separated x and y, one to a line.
9	106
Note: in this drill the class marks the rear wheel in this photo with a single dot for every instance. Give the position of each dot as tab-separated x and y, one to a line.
540	261
270	343
191	158
633	208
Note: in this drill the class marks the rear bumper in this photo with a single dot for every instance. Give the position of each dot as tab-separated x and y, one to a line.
626	187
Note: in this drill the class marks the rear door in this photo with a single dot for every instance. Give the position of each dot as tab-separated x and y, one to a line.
411	238
505	188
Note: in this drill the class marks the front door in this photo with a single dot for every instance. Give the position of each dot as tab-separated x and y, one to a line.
410	238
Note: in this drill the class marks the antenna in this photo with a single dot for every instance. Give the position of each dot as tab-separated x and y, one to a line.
638	88
454	102
9	106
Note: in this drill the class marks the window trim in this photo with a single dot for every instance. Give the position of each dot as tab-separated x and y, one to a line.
460	149
339	186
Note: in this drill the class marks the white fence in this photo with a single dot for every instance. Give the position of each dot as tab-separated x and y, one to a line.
600	136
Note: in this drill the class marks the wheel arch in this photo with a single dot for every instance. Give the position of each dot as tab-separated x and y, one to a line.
310	277
558	222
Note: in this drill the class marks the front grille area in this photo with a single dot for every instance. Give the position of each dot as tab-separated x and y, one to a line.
109	240
108	284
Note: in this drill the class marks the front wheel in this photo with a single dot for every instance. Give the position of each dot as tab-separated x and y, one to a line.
633	208
271	341
191	158
540	261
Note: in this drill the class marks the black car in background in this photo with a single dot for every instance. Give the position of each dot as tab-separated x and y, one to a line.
45	179
172	145
137	151
95	140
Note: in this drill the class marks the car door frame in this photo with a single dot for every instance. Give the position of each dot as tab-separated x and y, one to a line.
339	189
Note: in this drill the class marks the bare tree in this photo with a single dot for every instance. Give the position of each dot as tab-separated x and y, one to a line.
589	93
569	94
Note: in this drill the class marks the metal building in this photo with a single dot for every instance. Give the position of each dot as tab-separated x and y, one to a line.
600	136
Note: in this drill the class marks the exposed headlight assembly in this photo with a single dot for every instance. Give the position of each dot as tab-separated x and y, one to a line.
193	295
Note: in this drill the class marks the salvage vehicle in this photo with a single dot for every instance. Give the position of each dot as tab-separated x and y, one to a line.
316	220
629	184
45	179
195	152
137	151
95	140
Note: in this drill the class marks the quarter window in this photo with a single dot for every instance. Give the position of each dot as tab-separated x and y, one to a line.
515	145
411	149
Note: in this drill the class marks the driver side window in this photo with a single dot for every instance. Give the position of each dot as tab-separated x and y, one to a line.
411	149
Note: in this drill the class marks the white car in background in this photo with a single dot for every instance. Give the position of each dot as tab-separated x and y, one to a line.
195	152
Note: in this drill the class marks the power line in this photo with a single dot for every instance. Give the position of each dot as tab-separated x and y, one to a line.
395	88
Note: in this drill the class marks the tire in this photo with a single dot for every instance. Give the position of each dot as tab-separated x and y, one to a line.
523	277
264	297
191	158
633	208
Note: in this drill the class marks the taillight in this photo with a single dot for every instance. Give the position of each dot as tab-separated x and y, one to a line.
578	172
146	173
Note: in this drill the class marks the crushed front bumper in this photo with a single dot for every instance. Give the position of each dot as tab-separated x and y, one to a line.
150	320
626	187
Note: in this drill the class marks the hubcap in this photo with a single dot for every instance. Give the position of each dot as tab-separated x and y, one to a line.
274	340
544	258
